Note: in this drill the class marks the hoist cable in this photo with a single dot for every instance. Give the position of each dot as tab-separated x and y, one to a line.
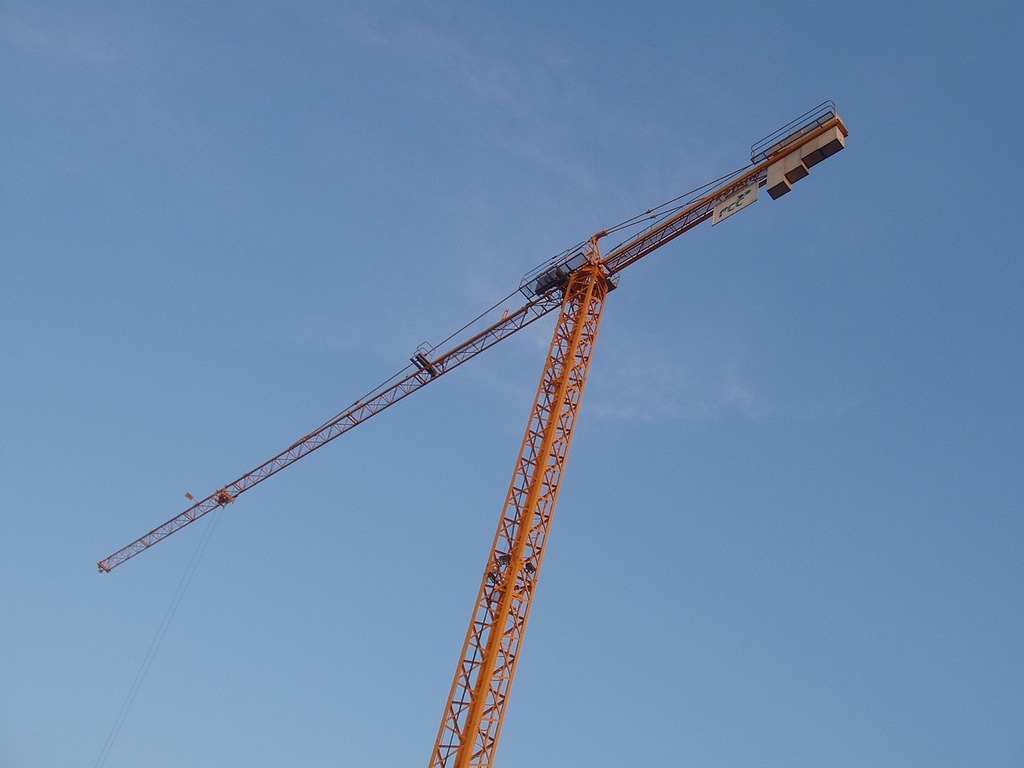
154	646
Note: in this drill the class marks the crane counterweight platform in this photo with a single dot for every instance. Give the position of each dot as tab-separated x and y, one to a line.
576	284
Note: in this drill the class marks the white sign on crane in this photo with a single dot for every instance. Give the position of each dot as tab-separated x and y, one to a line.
735	202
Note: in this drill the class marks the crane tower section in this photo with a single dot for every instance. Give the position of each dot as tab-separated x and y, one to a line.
473	715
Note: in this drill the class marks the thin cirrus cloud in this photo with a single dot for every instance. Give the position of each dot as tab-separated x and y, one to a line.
491	78
57	37
648	387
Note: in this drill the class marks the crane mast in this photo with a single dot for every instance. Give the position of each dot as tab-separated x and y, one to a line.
577	283
473	715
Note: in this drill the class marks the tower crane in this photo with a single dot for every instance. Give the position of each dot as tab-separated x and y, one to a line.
576	284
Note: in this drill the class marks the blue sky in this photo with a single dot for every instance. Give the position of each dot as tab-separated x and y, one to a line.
791	527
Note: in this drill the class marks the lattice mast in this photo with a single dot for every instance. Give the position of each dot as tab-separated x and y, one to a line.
473	715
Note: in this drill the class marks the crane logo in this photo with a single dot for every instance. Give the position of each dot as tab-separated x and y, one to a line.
734	202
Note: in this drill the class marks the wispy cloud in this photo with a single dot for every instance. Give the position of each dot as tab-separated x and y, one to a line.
523	94
650	386
56	37
478	61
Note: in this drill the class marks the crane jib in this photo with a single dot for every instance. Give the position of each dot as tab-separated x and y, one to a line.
812	138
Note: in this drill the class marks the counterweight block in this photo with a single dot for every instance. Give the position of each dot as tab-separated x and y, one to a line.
797	163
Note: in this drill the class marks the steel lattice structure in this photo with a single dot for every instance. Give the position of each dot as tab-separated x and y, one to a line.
473	715
577	283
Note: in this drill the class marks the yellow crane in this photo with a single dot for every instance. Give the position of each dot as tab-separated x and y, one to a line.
576	283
